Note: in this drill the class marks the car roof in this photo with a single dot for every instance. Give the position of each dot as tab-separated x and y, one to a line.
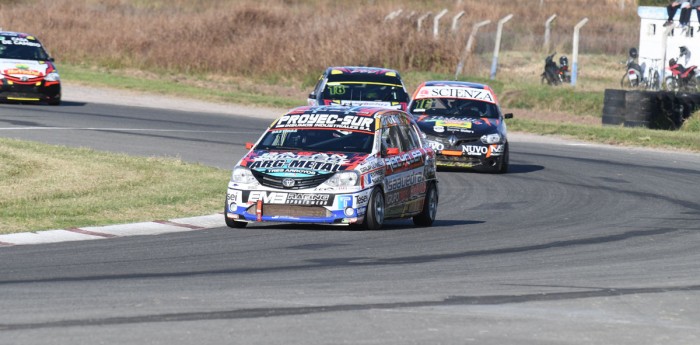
369	111
17	34
361	70
456	84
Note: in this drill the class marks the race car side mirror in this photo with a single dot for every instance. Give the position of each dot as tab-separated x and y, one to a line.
248	145
392	151
312	95
508	115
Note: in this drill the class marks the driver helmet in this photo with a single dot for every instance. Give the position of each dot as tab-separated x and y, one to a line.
633	53
671	62
564	61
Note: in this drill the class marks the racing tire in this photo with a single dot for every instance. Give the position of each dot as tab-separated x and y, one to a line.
234	223
54	102
427	216
374	217
504	162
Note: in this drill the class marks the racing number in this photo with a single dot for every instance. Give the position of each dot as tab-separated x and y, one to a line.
336	90
423	103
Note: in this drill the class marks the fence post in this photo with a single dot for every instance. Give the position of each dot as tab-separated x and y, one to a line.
393	15
422	18
455	20
499	31
547	32
468	48
436	23
574	66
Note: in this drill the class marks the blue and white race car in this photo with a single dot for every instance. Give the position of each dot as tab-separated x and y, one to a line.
335	165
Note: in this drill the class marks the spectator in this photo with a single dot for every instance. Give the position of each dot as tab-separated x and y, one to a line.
694	5
673	7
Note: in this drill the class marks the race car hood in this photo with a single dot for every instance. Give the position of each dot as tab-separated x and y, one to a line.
301	164
443	126
24	68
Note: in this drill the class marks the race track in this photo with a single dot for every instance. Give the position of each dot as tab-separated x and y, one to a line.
578	244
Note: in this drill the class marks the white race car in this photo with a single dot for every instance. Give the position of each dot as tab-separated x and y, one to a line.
335	165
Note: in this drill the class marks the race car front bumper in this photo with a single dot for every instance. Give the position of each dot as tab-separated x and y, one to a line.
41	91
470	156
296	207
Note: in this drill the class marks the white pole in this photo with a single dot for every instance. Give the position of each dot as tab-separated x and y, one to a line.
499	31
468	48
436	23
547	30
393	15
422	18
455	20
574	66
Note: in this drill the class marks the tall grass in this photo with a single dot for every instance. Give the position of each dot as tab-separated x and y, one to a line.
296	39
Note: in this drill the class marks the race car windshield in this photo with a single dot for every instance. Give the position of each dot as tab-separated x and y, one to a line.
453	107
22	49
321	140
358	91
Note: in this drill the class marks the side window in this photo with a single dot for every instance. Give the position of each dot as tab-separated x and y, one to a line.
410	138
391	138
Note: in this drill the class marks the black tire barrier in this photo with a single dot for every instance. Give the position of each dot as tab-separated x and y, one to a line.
651	109
614	107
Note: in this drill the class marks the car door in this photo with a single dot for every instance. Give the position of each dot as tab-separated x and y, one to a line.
404	160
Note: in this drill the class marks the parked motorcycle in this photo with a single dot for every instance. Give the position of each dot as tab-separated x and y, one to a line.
563	71
681	78
633	76
553	74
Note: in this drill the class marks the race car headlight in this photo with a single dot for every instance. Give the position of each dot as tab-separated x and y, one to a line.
53	76
344	179
491	138
242	175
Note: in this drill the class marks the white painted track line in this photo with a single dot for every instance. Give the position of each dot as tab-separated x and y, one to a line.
111	231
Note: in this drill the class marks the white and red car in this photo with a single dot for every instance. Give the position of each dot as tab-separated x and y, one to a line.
27	72
335	165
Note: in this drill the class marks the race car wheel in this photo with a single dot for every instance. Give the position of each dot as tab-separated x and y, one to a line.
427	215
503	163
374	218
234	223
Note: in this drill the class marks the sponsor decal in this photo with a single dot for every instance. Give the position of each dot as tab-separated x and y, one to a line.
454	124
497	149
473	150
292	163
436	145
19	41
344	201
407	158
362	199
372	163
341	121
404	180
438	129
234	196
290	198
455	92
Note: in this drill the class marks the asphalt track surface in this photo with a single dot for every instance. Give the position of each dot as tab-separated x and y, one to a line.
578	244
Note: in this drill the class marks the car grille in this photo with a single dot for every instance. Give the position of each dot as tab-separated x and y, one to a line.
460	142
274	210
299	182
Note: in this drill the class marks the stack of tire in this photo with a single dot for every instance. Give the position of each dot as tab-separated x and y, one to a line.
649	109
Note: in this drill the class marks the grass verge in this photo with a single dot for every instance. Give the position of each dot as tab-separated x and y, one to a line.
53	187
